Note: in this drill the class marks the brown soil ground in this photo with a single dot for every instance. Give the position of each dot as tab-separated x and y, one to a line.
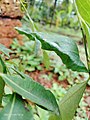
8	32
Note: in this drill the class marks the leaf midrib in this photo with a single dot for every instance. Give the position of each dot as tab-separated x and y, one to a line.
12	106
71	95
21	88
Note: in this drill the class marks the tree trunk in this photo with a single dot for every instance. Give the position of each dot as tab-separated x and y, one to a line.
54	8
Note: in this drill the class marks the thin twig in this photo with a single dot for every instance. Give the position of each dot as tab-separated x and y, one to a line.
28	16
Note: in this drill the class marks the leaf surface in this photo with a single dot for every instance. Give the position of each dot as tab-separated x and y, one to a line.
64	47
83	10
15	110
83	7
2	83
33	91
54	117
46	59
70	102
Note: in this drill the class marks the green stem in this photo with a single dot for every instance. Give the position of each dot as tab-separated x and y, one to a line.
85	40
86	52
85	46
32	25
31	21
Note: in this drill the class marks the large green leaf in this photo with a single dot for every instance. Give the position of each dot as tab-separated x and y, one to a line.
5	50
83	7
33	91
15	110
63	46
70	102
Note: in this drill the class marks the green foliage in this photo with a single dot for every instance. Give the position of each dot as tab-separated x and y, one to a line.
46	59
58	91
68	52
83	15
84	9
42	12
87	31
5	50
32	91
3	67
1	89
27	56
63	46
2	84
28	89
42	114
69	103
66	74
15	109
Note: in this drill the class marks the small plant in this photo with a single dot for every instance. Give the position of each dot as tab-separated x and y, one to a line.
27	59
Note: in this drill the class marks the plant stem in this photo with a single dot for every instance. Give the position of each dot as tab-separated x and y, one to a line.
32	27
31	21
86	52
85	46
84	39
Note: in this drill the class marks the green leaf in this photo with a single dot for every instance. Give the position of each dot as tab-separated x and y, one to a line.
86	30
63	46
33	91
83	10
2	84
3	67
43	115
46	59
83	7
15	110
70	102
54	117
5	50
